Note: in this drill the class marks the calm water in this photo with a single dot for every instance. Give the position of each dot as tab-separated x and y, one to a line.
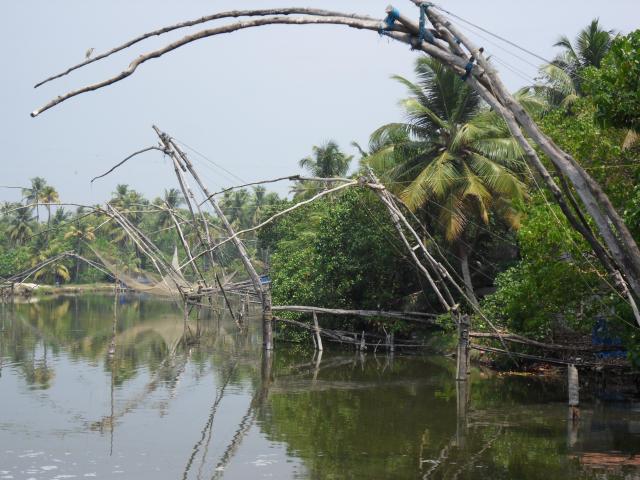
204	403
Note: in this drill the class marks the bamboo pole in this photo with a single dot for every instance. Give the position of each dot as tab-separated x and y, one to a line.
620	242
263	293
573	389
317	332
462	360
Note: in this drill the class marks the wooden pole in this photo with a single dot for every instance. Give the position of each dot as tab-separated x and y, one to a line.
462	363
263	293
462	407
609	223
573	388
317	331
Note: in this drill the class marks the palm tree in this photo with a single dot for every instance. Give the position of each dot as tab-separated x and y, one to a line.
258	203
20	226
563	77
120	195
237	207
326	161
453	159
60	216
33	195
49	195
172	200
80	233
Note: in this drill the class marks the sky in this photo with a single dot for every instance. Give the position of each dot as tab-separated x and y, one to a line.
246	106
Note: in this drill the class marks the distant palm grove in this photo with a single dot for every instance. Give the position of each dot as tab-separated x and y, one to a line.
452	162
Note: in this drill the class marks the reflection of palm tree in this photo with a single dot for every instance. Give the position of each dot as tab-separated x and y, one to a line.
452	155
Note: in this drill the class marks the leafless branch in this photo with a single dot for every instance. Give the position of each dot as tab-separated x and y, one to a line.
272	218
125	160
297	178
281	20
198	21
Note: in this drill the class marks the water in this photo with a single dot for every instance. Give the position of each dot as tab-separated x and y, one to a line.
168	405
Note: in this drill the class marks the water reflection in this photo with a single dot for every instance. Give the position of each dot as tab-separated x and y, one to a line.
150	396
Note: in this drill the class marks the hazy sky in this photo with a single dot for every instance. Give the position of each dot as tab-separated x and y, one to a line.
253	102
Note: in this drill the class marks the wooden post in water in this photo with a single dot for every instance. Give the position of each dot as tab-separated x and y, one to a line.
573	388
114	325
317	332
261	290
462	364
462	404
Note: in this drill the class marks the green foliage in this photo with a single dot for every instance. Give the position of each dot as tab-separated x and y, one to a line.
14	260
553	283
341	252
615	86
599	149
453	157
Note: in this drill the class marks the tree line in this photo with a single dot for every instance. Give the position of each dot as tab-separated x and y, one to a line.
455	166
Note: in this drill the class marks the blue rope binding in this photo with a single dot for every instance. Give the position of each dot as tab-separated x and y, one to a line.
390	20
423	31
468	69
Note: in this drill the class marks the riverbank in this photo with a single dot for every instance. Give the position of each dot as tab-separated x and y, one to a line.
73	288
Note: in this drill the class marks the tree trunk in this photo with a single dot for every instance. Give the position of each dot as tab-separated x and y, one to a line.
463	253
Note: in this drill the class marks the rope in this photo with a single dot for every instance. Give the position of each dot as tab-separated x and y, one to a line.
423	32
468	68
494	35
393	14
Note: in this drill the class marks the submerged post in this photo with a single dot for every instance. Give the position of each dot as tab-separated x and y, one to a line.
316	328
462	364
462	407
573	388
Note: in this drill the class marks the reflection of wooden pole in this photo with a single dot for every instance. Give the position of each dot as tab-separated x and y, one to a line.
316	369
266	375
573	387
462	404
462	364
114	326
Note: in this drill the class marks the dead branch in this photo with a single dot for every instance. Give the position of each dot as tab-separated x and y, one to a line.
125	160
514	338
272	218
360	313
350	22
534	357
297	178
198	21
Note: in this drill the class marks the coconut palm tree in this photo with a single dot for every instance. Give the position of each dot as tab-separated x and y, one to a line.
326	161
454	160
20	226
49	196
33	195
60	216
172	200
80	233
563	77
